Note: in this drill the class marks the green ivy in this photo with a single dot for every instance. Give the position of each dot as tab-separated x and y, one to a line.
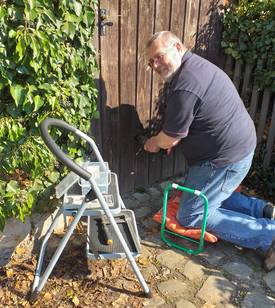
47	68
249	35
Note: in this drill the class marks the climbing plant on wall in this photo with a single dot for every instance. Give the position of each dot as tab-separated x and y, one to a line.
249	35
47	66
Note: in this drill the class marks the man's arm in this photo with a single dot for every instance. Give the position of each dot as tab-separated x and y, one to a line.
161	141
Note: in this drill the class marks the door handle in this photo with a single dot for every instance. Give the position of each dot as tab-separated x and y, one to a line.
103	23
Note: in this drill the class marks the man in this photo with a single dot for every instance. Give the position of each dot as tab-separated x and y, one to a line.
205	112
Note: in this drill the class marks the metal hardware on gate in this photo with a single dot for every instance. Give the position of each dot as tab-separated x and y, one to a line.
102	23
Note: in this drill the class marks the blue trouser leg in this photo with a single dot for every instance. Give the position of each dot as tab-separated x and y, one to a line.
232	217
244	204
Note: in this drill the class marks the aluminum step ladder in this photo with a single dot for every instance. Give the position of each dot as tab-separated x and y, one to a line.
90	190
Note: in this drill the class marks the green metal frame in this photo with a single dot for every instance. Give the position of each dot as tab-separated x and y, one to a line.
163	230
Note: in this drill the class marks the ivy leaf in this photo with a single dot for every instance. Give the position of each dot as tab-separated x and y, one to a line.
33	14
12	33
38	102
13	111
72	18
32	4
88	17
17	92
69	28
53	176
21	47
35	47
12	186
77	8
3	82
50	15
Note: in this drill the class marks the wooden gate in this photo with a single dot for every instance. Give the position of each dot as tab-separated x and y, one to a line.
128	91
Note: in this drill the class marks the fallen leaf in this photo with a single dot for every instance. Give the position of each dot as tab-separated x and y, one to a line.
122	300
9	272
48	296
75	300
30	276
20	250
143	261
70	293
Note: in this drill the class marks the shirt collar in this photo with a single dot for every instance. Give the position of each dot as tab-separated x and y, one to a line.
187	55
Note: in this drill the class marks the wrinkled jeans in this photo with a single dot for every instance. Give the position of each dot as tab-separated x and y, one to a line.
232	216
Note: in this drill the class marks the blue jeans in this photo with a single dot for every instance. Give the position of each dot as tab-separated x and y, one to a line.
232	216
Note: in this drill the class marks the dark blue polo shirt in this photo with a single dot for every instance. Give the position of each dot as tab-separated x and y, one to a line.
206	111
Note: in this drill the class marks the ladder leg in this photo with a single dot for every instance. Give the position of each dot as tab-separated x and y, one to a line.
43	248
59	249
121	239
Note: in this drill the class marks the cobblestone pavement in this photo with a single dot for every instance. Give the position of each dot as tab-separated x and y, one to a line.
223	275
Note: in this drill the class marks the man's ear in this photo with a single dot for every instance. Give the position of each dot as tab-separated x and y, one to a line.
178	46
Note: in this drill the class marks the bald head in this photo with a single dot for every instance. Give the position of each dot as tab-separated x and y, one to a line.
166	38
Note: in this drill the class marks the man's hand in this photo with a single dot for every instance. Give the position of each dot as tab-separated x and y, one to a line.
151	146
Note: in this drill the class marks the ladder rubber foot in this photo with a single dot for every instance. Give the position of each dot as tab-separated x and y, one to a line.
33	297
148	294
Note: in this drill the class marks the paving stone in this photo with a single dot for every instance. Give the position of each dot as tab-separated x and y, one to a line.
41	223
172	288
146	251
184	303
212	255
154	192
151	225
227	248
141	197
130	203
194	271
238	270
207	305
5	255
256	299
216	290
14	233
270	280
142	212
155	302
153	241
149	271
172	259
254	258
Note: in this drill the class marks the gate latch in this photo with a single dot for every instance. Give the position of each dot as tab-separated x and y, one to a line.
103	22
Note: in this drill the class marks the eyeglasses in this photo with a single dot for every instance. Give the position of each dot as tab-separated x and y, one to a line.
159	57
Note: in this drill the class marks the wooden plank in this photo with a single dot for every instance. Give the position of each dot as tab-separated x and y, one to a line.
96	124
214	52
203	33
127	84
191	23
237	74
270	140
143	92
228	66
246	89
263	115
177	26
254	101
177	17
162	21
110	87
